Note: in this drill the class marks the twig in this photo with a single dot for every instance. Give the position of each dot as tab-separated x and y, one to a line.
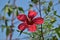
12	22
41	16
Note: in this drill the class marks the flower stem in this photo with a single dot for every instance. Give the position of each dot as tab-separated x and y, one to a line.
41	16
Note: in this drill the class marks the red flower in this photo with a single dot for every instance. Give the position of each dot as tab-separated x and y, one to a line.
29	21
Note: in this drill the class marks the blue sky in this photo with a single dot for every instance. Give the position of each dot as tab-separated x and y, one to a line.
25	5
18	3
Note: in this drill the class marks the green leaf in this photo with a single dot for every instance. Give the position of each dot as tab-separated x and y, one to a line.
7	31
55	12
58	16
5	9
3	26
21	9
30	5
48	9
8	9
23	32
27	33
34	33
53	20
54	38
6	22
9	12
58	31
3	17
38	32
35	1
17	13
45	11
50	3
20	32
49	26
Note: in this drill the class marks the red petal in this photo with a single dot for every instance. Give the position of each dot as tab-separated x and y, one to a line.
38	20
32	14
22	17
32	28
22	26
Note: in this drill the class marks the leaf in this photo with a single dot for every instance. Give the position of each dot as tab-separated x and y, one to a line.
58	16
34	33
38	32
27	33
58	31
23	32
20	32
7	31
8	9
17	13
54	38
53	20
21	9
45	11
9	12
35	1
50	3
55	12
6	22
49	26
5	8
3	26
3	17
30	5
48	9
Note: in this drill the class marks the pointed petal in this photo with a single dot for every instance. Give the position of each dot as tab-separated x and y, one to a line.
32	28
32	14
38	20
22	26
22	17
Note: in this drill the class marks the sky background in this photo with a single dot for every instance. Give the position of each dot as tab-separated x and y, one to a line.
25	5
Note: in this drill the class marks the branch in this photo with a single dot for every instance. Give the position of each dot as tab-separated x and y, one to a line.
41	16
12	22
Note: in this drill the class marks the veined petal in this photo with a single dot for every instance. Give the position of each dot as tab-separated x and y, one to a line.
32	14
22	26
32	28
38	20
22	17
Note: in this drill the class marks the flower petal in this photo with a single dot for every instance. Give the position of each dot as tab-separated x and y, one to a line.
38	20
32	28
32	14
22	26
22	17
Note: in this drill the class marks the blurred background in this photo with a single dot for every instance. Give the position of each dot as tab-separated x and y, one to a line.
9	9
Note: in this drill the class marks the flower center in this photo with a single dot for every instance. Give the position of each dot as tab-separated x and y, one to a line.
29	22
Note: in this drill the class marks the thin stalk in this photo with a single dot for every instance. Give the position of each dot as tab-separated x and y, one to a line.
41	16
12	22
